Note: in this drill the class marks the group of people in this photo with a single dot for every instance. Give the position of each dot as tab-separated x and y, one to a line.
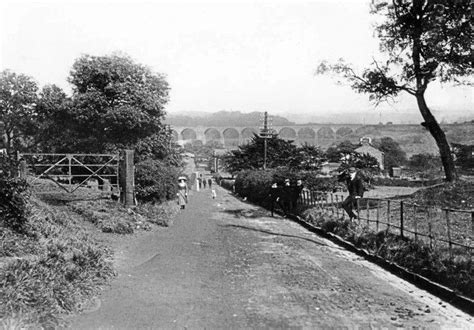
202	182
183	189
286	196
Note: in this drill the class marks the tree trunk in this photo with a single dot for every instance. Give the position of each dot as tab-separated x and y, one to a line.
441	141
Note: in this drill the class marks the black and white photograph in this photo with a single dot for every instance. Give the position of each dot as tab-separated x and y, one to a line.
236	164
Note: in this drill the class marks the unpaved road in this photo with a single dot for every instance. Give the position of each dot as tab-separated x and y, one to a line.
225	264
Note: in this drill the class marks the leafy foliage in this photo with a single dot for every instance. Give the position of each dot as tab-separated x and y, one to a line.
118	100
280	153
423	162
393	154
425	40
341	151
17	107
14	195
255	184
464	155
155	181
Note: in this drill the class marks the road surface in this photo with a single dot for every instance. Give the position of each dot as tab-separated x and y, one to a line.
226	264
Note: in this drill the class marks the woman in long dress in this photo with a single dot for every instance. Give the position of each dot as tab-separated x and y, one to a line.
182	192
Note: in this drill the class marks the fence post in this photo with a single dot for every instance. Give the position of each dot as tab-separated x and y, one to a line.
23	169
332	203
448	229
389	216
415	222
429	227
69	171
358	209
378	215
127	178
401	219
367	207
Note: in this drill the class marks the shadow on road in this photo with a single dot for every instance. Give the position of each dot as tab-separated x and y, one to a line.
279	234
246	213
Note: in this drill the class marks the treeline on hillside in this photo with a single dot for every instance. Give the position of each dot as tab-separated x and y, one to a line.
225	118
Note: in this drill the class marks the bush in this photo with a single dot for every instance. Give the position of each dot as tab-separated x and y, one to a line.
13	197
155	181
254	184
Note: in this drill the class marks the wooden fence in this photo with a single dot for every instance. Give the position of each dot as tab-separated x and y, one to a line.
441	228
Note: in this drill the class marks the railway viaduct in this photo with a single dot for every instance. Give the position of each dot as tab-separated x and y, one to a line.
233	136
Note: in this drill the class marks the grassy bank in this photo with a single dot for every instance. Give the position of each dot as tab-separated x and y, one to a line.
57	264
456	273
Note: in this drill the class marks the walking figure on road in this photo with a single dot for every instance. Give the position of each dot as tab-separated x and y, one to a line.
355	186
182	192
209	182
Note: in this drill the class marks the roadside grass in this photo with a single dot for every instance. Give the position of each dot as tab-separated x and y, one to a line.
50	270
435	264
57	265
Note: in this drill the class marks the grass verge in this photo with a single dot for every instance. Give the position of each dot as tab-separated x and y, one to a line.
456	273
57	265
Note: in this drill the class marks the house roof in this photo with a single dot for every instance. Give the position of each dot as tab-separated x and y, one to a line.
368	149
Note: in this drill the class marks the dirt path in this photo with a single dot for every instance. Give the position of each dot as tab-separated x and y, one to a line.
226	264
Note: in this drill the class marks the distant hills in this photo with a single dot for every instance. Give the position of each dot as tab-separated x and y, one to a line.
224	118
373	117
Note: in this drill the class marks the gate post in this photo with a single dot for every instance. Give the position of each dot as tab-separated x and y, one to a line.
127	178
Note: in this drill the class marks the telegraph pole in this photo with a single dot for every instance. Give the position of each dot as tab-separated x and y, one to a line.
265	133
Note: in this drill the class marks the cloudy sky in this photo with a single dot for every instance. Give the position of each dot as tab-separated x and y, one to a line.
242	55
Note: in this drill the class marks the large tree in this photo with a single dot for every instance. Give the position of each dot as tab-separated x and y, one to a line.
280	153
116	102
17	107
52	131
393	154
424	40
251	155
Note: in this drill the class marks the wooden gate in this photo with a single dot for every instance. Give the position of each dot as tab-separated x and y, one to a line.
72	171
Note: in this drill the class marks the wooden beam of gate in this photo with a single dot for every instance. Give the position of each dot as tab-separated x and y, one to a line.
49	169
61	186
93	173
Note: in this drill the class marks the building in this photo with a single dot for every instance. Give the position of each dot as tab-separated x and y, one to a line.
367	148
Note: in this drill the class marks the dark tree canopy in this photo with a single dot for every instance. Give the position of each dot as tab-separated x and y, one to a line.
393	154
115	101
338	152
17	107
280	153
52	133
425	40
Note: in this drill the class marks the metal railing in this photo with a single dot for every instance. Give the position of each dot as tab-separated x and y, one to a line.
441	228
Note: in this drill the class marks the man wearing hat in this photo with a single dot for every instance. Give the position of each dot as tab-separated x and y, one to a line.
355	186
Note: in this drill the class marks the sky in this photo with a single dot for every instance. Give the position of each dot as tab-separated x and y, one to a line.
258	55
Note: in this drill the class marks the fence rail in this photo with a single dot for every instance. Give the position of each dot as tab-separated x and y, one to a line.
444	228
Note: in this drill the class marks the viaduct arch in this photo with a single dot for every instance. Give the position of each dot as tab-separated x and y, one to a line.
232	136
